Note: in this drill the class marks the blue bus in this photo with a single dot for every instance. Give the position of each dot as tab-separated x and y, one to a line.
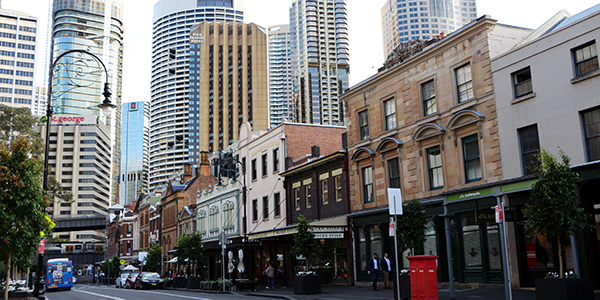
59	274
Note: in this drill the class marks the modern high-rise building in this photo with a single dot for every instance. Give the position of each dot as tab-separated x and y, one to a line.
79	159
170	81
228	84
280	74
97	27
17	56
320	60
135	126
404	20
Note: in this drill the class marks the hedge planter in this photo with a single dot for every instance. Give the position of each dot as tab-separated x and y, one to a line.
16	295
194	282
404	288
308	284
245	286
179	282
564	289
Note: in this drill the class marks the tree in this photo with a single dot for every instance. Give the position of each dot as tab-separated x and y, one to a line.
555	210
111	266
153	259
22	205
19	122
304	242
410	229
190	251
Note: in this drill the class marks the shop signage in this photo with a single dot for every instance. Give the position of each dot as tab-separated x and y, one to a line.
286	231
531	255
518	186
74	120
471	194
489	215
329	235
499	215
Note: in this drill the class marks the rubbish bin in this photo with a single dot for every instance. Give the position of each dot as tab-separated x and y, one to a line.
423	277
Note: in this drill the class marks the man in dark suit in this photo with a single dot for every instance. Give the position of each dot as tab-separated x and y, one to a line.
386	268
374	267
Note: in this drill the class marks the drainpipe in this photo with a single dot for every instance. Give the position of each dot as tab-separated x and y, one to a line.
447	228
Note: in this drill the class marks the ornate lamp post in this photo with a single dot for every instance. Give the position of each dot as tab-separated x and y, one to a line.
106	105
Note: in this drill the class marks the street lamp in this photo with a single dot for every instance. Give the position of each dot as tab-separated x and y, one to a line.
105	106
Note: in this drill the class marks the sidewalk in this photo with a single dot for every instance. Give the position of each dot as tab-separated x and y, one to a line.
330	292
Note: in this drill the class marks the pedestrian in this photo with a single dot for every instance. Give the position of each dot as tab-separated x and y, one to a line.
374	269
281	276
270	272
386	267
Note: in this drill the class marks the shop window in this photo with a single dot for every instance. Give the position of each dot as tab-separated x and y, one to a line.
530	148
540	253
367	176
434	165
394	173
362	246
428	96
493	247
471	158
591	122
471	241
464	83
430	244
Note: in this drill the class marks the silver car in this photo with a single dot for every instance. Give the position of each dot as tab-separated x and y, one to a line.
120	283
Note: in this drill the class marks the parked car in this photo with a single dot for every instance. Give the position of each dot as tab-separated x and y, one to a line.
130	281
149	280
121	280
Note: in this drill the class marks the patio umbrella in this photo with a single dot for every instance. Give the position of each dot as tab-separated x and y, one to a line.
130	268
241	268
230	266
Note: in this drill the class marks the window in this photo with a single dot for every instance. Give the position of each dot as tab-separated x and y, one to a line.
390	114
308	195
586	59
464	83
265	207
128	247
394	173
229	216
297	197
434	165
363	123
276	199
202	221
275	160
254	169
367	175
522	82
255	210
530	147
128	228
338	187
213	218
471	157
264	165
428	91
591	124
324	193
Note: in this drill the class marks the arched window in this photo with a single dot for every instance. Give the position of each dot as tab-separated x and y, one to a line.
228	221
202	222
213	218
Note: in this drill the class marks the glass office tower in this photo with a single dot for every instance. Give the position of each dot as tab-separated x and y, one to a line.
133	178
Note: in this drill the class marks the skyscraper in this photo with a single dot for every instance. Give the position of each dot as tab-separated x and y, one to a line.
169	106
133	177
228	84
17	55
280	74
403	20
320	60
97	27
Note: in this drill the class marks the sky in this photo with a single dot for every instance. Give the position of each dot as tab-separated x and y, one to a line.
364	30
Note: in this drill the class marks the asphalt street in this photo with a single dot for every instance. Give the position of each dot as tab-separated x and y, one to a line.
103	292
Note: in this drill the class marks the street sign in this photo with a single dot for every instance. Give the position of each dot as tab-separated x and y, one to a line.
42	245
395	201
499	215
392	227
122	261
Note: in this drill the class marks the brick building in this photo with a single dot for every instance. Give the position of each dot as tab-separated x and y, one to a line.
426	123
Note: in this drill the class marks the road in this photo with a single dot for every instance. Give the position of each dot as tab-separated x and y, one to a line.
103	292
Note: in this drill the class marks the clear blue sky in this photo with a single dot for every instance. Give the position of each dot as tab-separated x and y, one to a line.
364	17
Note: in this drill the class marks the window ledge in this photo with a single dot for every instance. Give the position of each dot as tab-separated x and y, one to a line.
522	98
585	76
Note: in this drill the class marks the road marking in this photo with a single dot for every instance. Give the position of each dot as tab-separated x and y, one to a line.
99	295
174	295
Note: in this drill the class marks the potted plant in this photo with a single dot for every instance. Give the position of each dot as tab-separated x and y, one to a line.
555	211
245	285
305	245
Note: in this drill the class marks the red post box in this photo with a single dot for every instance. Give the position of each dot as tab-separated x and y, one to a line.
423	277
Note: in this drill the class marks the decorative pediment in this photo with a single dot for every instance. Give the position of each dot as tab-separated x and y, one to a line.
427	131
388	144
464	118
362	153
